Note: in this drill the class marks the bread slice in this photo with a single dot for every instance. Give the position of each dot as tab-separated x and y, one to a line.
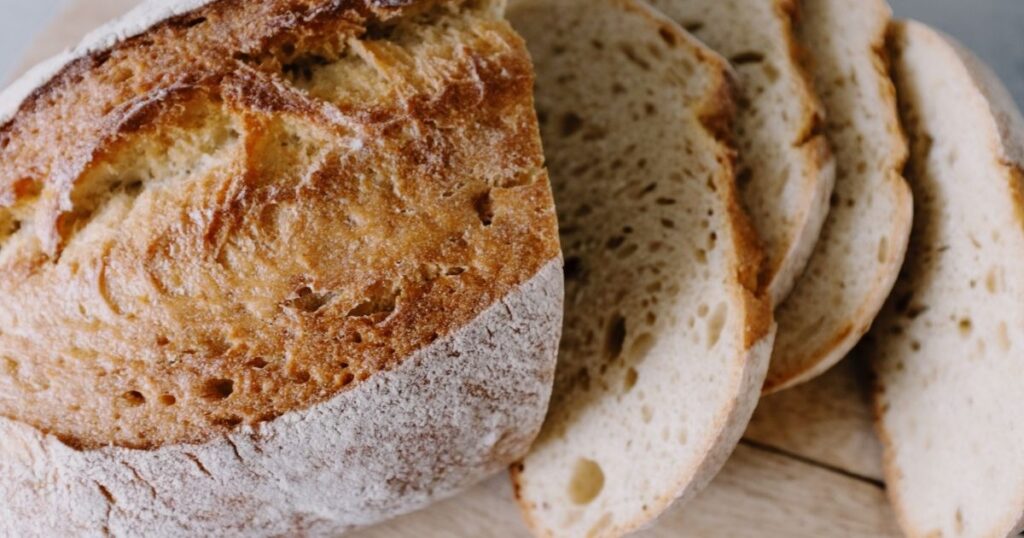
864	241
947	349
666	336
786	169
271	268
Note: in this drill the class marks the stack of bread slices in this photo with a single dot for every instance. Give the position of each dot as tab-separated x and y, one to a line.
686	139
292	267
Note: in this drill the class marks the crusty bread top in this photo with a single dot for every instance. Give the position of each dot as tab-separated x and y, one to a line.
253	206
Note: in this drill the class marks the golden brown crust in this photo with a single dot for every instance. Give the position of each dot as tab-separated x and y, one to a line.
205	238
813	119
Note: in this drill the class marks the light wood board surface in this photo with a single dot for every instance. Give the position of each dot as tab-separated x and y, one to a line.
809	466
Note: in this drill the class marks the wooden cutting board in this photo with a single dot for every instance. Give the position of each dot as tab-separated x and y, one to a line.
809	465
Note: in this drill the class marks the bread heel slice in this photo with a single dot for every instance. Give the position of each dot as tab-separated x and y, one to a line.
667	333
947	349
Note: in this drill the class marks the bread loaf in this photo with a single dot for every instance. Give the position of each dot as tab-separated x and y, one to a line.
280	267
864	241
667	334
786	170
947	349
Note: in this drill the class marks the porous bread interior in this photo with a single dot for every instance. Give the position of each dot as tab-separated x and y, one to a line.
659	265
785	170
242	212
947	348
864	240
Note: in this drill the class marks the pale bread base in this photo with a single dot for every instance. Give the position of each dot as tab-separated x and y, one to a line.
447	417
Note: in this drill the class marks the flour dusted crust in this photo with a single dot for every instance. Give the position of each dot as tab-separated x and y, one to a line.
448	416
271	268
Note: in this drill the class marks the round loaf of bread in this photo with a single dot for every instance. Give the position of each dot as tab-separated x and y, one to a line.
275	267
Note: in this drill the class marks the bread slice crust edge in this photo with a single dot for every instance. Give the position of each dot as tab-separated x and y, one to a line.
794	229
795	362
